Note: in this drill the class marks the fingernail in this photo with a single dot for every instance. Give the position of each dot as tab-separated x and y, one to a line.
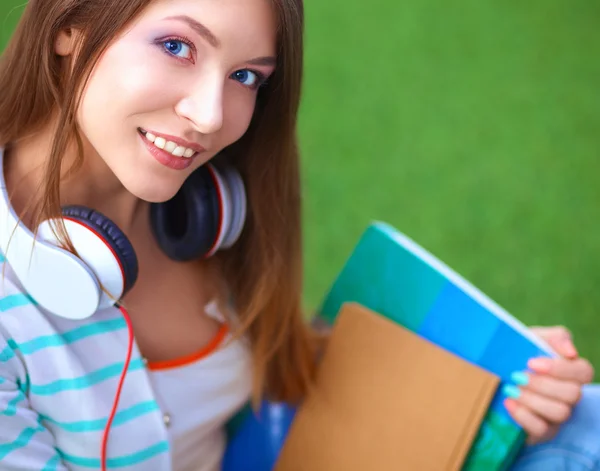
511	391
541	365
520	378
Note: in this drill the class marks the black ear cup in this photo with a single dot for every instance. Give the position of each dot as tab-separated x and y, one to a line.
112	236
188	226
206	214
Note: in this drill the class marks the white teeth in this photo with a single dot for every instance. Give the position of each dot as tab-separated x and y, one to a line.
169	146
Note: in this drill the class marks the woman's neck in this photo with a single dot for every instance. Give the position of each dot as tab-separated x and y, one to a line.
93	184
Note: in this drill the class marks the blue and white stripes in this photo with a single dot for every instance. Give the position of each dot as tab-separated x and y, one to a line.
123	416
12	301
65	338
139	458
56	392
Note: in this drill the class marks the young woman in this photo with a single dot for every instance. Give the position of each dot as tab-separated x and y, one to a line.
150	232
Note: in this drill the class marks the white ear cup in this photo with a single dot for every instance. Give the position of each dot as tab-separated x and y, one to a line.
237	192
56	279
97	255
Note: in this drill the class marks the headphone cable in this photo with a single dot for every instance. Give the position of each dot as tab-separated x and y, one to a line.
120	387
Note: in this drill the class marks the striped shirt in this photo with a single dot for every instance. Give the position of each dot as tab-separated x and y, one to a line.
58	379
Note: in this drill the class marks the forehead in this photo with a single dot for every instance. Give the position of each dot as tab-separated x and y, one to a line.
242	25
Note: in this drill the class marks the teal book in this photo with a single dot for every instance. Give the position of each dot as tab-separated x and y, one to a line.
390	274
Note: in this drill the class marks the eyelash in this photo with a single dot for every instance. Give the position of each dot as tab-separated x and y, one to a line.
261	79
161	43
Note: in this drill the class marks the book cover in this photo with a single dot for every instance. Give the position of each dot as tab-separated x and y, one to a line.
390	274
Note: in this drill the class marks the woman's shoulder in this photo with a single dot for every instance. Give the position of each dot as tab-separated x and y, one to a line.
22	319
17	308
33	338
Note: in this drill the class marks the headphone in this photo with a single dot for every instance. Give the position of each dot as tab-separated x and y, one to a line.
206	215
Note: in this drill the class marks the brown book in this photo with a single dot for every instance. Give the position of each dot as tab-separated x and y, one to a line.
387	399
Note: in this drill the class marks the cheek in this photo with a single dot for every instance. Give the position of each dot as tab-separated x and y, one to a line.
238	111
125	82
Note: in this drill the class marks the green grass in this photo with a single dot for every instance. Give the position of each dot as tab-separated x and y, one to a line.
473	127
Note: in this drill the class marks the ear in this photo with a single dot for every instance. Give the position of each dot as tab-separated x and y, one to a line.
66	41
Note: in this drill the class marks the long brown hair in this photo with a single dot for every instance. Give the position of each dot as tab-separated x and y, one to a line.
264	269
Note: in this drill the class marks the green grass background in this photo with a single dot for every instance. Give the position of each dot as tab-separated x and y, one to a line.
473	127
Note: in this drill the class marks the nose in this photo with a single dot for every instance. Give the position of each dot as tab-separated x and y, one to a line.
203	106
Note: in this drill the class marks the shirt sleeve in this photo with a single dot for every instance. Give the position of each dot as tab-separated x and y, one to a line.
25	444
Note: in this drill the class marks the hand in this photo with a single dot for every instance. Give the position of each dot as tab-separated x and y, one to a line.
543	398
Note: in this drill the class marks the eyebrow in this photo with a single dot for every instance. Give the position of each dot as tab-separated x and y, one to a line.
270	61
213	41
198	27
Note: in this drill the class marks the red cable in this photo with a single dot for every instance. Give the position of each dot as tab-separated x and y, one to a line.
119	388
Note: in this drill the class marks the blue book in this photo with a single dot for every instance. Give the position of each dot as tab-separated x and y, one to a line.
390	274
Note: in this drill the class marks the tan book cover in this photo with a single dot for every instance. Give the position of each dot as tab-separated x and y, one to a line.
387	399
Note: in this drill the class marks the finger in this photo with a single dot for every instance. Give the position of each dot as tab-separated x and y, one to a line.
579	370
544	407
553	429
535	427
568	392
564	347
559	338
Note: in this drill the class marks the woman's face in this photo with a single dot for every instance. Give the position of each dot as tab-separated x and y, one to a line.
175	88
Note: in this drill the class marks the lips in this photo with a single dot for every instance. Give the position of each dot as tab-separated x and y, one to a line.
174	146
172	152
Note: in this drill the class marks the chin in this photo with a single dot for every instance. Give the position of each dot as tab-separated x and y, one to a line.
153	192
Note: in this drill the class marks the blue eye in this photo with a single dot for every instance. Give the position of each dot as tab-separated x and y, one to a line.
177	48
247	78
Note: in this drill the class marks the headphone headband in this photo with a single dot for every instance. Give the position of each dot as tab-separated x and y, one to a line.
210	207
